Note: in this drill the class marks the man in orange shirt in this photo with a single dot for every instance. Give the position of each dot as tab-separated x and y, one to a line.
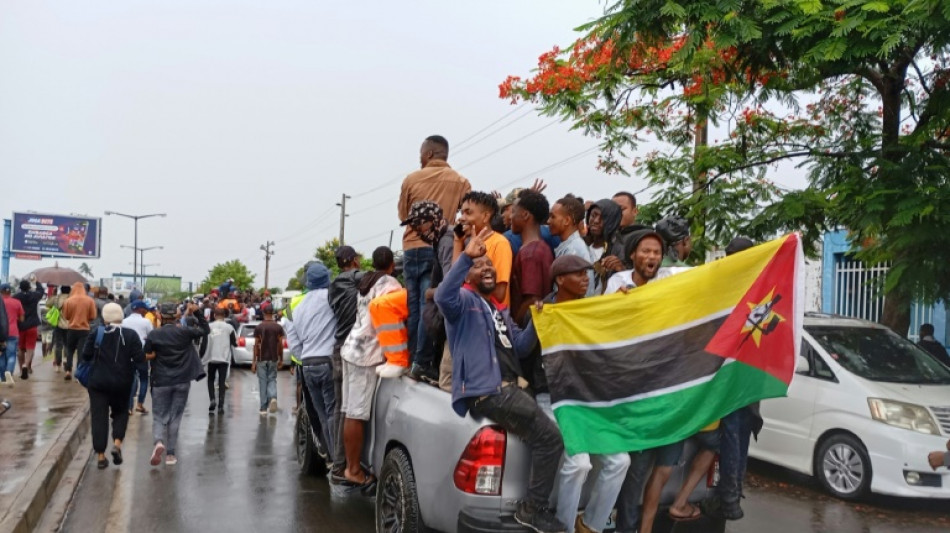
79	310
478	208
437	182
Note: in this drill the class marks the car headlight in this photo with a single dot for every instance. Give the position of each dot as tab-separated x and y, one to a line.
903	415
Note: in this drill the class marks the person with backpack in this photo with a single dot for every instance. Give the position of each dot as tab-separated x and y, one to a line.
114	353
55	318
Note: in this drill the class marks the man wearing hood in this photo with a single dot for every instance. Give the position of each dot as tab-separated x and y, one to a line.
604	241
79	311
311	337
679	244
343	295
361	354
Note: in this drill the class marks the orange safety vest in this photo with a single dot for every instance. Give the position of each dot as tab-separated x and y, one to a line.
389	314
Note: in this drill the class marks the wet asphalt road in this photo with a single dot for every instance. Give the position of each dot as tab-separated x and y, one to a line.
238	472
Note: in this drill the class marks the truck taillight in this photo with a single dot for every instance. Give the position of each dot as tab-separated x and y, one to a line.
241	342
712	476
482	464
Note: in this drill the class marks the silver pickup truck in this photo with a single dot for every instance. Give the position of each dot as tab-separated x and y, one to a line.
438	471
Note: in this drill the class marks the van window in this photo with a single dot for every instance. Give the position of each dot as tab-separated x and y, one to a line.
879	354
819	368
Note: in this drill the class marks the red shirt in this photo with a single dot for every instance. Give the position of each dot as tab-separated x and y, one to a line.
531	273
14	313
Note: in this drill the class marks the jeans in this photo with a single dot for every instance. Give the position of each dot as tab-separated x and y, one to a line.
631	492
59	345
140	384
517	413
417	272
168	406
75	341
267	381
221	369
101	402
319	382
9	357
735	430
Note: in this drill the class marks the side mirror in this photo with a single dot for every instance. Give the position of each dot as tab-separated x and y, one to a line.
802	366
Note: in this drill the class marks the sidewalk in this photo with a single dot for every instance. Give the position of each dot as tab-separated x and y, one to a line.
39	436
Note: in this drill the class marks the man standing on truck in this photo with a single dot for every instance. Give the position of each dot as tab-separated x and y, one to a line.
487	377
343	295
311	337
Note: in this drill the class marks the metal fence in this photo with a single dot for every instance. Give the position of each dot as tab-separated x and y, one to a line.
858	293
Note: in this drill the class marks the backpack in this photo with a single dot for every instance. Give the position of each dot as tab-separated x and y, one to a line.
52	316
84	368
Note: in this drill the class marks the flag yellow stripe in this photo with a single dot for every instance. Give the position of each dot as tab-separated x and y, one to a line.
697	293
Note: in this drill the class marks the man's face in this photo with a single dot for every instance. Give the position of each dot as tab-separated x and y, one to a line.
474	215
482	275
595	225
518	218
573	284
628	211
647	258
559	221
684	248
506	216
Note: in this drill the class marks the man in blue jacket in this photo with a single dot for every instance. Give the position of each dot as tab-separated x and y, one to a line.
487	379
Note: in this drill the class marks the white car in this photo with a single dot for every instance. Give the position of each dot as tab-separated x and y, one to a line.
864	409
243	354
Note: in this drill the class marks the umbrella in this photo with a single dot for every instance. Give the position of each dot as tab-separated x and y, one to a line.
56	275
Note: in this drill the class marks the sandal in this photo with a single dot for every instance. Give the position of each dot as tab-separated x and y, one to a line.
117	456
103	463
694	514
141	409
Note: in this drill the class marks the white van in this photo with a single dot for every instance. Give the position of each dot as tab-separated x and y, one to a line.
864	409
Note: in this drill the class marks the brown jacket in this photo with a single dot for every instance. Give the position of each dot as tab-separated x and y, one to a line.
79	309
437	182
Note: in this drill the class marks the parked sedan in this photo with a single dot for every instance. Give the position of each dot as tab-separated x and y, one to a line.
863	410
243	354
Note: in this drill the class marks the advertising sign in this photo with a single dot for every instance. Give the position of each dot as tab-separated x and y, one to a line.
55	235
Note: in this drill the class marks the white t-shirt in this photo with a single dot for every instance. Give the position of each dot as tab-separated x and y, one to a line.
624	278
139	324
250	313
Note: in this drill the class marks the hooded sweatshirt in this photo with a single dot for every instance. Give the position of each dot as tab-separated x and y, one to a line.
312	331
610	242
362	345
79	309
343	291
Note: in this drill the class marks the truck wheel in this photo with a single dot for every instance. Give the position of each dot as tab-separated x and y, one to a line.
308	455
843	467
397	502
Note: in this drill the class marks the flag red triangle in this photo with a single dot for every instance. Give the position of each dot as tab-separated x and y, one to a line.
760	331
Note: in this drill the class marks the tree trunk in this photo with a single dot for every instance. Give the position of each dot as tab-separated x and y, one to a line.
896	313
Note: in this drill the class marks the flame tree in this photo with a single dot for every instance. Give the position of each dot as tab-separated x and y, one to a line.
854	91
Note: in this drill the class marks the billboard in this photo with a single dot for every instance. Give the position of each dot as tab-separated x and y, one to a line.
55	235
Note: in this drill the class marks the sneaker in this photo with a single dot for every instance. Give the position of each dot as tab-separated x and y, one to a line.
57	368
24	373
212	406
272	407
426	374
157	454
538	518
8	378
581	527
171	460
390	370
221	407
227	384
715	507
263	412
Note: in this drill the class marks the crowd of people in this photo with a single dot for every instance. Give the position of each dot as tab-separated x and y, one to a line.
475	263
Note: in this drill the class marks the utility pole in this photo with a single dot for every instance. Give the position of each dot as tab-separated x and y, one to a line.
267	255
343	216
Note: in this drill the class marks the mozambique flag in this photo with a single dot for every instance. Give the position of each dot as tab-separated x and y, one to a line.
634	371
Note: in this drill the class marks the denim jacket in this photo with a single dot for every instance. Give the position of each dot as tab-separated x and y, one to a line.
471	334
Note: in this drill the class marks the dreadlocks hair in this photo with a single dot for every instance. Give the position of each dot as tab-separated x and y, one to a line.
483	199
534	203
574	207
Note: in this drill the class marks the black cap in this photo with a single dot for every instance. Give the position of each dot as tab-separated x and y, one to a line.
673	229
345	254
738	244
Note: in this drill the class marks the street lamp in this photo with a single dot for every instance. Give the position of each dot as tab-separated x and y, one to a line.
136	218
141	252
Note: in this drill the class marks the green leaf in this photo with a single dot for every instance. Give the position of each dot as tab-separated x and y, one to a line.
878	6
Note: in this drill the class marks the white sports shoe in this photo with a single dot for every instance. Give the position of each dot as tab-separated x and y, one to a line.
8	379
390	371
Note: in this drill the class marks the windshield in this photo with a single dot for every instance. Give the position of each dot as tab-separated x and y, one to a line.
880	355
247	331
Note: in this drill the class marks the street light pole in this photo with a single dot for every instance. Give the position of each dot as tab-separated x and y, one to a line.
141	261
135	257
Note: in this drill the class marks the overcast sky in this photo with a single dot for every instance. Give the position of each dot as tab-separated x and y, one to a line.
246	121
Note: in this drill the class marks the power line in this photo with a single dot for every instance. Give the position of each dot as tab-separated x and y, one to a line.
479	132
562	162
509	145
476	143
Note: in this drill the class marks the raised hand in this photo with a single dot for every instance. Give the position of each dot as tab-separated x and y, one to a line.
476	246
539	185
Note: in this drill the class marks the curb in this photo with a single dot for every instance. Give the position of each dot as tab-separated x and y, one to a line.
28	507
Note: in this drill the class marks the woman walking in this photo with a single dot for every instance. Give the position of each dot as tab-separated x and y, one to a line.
113	352
175	363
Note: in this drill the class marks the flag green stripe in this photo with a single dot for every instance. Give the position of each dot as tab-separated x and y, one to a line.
655	421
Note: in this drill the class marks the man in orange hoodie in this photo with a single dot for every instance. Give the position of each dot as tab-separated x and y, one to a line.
79	310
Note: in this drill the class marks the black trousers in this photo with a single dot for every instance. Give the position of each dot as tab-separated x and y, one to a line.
221	369
101	402
59	344
517	412
75	342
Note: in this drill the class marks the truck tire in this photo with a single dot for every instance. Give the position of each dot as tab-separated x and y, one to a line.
309	458
397	502
843	467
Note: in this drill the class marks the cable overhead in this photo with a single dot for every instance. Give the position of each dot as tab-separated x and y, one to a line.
479	132
476	143
507	146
